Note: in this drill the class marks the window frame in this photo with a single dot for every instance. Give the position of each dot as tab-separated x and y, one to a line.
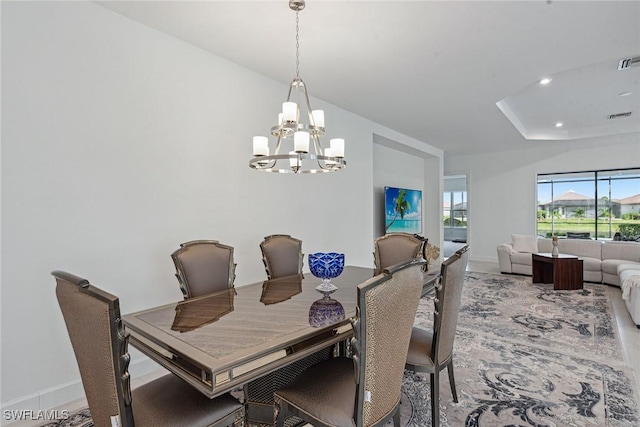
592	210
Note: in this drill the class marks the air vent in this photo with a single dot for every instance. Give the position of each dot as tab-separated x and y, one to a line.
626	63
619	115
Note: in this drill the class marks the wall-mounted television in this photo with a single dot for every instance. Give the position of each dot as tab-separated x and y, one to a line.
402	210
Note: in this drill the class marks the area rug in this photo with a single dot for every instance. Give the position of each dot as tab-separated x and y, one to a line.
80	418
525	355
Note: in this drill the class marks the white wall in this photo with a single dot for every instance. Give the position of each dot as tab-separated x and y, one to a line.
502	186
119	143
396	165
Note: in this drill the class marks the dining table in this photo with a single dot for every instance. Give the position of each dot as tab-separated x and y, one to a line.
220	341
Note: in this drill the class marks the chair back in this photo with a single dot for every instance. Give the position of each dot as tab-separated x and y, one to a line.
204	266
387	306
447	305
99	342
282	255
396	248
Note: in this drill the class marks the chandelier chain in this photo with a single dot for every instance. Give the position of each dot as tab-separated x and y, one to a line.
297	44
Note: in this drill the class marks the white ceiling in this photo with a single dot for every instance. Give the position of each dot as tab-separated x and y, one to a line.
434	70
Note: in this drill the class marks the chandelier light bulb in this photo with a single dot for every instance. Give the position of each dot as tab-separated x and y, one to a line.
337	147
329	153
301	142
294	161
260	146
317	118
289	111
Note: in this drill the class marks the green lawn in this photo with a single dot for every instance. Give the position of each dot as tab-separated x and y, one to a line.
561	226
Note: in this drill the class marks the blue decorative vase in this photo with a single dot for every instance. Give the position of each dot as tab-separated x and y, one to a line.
325	312
326	266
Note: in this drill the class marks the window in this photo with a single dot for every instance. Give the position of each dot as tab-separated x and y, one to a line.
596	204
454	205
455	208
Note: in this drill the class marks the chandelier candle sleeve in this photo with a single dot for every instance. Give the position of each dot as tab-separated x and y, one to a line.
328	153
317	118
289	111
260	146
293	160
337	147
301	142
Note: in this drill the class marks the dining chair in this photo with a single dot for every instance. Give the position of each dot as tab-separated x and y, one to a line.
364	390
432	351
204	266
281	255
100	343
394	248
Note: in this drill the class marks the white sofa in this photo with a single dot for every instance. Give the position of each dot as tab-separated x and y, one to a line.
612	263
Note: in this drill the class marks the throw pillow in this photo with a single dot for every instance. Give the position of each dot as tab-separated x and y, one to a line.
525	243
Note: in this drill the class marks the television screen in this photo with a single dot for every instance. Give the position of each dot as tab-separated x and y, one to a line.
403	210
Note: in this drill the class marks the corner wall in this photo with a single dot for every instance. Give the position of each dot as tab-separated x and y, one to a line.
398	165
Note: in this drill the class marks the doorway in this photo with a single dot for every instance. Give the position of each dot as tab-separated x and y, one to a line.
454	212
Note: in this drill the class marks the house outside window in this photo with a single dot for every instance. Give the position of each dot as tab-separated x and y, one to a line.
455	209
596	204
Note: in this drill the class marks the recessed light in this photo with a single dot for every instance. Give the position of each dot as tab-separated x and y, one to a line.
545	81
624	94
559	124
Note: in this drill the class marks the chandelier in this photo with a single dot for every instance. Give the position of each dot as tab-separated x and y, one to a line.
302	127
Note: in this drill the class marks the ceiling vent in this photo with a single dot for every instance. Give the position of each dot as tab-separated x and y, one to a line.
626	63
619	115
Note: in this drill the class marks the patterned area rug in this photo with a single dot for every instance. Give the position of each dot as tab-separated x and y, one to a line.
525	355
81	418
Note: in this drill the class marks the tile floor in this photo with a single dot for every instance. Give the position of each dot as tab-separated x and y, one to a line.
629	336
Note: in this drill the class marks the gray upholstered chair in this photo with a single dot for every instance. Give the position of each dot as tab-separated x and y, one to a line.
365	390
204	266
432	351
282	255
394	248
100	342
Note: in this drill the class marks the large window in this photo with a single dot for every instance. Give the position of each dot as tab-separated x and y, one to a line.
596	204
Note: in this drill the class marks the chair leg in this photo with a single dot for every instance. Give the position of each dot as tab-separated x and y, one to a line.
435	399
280	410
452	381
396	418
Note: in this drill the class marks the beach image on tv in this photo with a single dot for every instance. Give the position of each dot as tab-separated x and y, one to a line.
403	210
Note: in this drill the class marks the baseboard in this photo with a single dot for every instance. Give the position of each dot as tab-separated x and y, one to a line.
63	394
483	259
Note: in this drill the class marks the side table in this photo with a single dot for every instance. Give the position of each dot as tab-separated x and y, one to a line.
563	270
